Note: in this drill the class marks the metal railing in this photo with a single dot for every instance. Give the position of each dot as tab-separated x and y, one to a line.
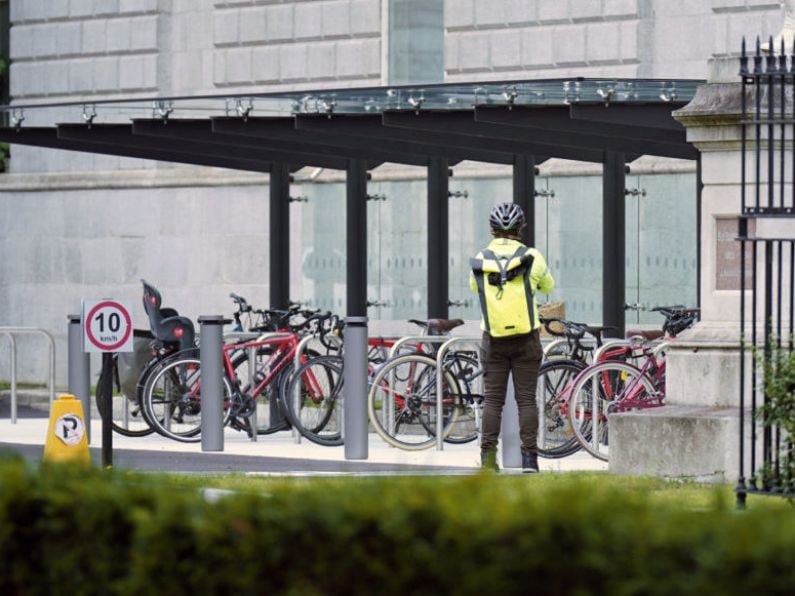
10	332
766	232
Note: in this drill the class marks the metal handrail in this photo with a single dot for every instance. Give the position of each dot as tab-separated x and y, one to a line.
440	385
10	332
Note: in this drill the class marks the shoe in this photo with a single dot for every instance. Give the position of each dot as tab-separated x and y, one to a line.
529	462
488	460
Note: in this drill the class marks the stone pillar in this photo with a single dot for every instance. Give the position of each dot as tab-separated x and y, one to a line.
696	435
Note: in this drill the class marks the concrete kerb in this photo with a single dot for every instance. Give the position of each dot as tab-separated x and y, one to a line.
33	431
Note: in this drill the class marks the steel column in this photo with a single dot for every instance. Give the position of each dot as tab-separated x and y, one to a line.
438	238
355	426
79	374
280	236
524	187
613	242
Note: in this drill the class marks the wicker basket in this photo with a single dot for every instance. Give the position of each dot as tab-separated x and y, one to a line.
551	309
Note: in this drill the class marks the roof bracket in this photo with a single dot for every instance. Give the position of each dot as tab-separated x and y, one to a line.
244	111
162	109
88	116
17	117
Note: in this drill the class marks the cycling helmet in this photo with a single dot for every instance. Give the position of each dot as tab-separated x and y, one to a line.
506	217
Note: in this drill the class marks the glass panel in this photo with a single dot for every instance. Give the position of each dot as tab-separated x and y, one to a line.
323	262
667	240
397	250
574	245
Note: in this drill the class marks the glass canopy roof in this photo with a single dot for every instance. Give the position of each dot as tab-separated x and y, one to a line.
366	100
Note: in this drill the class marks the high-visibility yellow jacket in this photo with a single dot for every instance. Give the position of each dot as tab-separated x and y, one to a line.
506	276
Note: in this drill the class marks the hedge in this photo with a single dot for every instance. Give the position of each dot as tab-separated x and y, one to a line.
65	530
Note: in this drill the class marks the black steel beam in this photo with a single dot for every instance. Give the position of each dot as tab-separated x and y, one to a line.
279	236
438	238
121	136
463	122
551	143
558	118
284	129
441	144
201	131
524	187
614	243
356	238
652	115
48	137
368	129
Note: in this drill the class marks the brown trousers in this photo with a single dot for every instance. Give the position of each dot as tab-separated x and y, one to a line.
520	356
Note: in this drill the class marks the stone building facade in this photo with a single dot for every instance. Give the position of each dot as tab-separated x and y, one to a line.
79	226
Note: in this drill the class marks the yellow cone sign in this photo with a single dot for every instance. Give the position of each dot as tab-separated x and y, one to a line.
67	439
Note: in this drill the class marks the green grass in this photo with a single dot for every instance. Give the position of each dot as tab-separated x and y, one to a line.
667	494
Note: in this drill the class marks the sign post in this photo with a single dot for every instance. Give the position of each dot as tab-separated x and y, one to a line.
107	328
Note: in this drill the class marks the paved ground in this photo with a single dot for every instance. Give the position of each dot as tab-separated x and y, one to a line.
272	454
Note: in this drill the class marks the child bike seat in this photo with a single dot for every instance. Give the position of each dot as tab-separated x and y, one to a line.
165	323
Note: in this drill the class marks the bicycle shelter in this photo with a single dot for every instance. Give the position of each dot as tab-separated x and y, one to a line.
517	123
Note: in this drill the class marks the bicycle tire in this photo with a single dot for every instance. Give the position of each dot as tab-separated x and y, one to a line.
129	422
172	399
412	424
555	435
593	396
313	400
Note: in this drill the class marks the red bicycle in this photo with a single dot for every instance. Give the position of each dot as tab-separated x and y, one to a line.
256	372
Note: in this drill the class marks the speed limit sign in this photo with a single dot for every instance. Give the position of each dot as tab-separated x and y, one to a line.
107	326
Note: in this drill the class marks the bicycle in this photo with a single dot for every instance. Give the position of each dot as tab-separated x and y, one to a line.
172	396
564	360
402	400
618	385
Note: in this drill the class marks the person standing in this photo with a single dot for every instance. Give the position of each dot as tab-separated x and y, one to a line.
506	275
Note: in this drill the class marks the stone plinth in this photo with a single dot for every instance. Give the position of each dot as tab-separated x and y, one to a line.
696	434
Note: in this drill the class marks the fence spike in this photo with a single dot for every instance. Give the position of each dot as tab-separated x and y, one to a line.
743	59
758	57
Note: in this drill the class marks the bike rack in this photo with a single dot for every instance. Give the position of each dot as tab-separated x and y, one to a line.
252	358
10	332
439	385
299	352
555	343
431	339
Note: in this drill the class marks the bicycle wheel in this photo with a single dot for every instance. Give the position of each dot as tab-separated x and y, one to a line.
172	399
598	392
127	417
555	435
313	400
469	378
402	403
270	414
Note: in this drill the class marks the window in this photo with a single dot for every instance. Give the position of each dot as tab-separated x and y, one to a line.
415	42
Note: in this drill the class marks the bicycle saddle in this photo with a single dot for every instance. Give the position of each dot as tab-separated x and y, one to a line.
437	326
165	323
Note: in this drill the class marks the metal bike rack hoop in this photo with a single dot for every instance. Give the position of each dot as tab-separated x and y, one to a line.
10	332
439	384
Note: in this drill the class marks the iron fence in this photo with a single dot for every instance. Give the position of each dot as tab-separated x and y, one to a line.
767	257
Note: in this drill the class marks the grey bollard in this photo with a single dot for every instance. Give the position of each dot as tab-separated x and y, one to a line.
212	384
79	374
354	419
509	430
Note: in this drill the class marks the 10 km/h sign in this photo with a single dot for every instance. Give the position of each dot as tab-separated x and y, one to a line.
107	326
